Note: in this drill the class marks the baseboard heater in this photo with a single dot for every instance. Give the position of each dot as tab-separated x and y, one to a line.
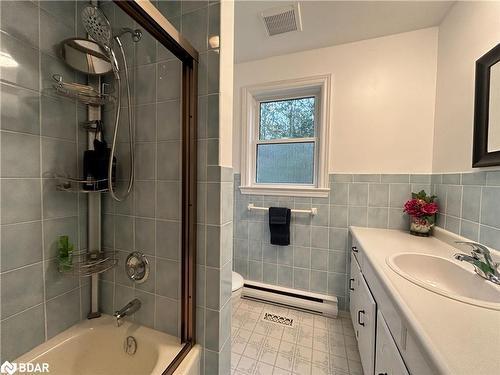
302	300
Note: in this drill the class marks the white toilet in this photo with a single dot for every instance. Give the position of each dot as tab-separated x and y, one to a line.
237	287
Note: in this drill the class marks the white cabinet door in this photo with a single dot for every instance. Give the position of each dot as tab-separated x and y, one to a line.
388	361
353	291
366	324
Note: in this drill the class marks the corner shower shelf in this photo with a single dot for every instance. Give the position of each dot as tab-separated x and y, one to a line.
75	185
87	264
83	93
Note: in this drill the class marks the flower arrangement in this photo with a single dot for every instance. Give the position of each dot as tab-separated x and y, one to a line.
422	210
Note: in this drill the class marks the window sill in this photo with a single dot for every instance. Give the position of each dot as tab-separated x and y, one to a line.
286	191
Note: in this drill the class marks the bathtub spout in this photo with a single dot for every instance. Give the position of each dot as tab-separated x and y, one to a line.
129	309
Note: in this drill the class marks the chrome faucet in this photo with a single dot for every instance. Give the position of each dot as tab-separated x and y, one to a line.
481	259
129	309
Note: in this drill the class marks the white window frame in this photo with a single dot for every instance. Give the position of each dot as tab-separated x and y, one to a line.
251	97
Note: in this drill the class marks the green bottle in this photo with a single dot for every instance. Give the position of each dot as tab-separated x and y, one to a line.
65	256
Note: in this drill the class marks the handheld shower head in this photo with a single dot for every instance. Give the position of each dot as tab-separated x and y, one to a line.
97	25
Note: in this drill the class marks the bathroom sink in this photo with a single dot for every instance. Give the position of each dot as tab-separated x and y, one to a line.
445	277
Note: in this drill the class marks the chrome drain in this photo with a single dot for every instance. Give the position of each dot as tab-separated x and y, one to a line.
130	345
278	319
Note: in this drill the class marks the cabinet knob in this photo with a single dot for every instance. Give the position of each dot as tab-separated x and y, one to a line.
354	249
350	284
359	317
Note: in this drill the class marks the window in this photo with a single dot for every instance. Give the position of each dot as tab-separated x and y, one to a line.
285	130
286	141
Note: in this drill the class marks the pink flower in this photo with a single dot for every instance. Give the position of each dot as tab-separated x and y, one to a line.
430	208
418	207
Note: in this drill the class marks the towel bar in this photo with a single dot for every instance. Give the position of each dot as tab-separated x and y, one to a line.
313	211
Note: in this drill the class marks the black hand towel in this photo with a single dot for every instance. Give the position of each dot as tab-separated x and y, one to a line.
279	225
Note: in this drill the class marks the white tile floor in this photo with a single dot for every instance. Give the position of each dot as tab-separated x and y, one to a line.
315	345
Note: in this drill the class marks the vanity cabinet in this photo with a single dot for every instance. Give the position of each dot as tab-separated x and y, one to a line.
386	346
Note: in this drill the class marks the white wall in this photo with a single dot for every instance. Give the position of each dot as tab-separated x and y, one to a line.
468	31
226	71
383	97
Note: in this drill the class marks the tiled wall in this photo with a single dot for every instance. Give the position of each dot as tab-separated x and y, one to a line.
470	205
39	137
214	267
317	258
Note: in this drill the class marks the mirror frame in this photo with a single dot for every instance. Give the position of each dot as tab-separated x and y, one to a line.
480	155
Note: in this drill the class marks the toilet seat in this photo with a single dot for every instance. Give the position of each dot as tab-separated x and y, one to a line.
237	282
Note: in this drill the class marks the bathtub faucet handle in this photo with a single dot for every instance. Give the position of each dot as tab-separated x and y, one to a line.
129	309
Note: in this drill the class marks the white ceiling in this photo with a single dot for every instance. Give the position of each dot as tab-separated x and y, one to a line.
327	23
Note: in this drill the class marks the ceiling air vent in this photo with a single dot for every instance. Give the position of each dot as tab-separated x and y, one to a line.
282	19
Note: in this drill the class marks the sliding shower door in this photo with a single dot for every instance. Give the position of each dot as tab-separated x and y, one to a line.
157	218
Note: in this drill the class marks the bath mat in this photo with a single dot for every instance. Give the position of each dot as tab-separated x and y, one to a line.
278	319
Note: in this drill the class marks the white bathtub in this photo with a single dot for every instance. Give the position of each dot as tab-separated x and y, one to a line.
96	347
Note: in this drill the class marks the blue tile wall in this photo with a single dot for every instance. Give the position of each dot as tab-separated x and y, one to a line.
318	256
39	137
470	205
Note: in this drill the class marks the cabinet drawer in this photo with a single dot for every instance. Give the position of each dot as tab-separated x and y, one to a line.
388	360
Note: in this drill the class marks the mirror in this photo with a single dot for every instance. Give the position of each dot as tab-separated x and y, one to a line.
494	109
86	56
486	151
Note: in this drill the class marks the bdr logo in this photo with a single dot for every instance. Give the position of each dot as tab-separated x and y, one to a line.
10	368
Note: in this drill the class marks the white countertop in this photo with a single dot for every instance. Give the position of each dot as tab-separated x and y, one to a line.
456	337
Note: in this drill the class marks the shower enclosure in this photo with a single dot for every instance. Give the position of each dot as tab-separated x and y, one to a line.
168	159
98	201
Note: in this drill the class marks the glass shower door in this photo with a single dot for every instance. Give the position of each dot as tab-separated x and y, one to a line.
157	218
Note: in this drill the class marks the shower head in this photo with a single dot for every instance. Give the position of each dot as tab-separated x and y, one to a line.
97	25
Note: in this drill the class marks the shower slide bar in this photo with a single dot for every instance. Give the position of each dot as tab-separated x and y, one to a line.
313	211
